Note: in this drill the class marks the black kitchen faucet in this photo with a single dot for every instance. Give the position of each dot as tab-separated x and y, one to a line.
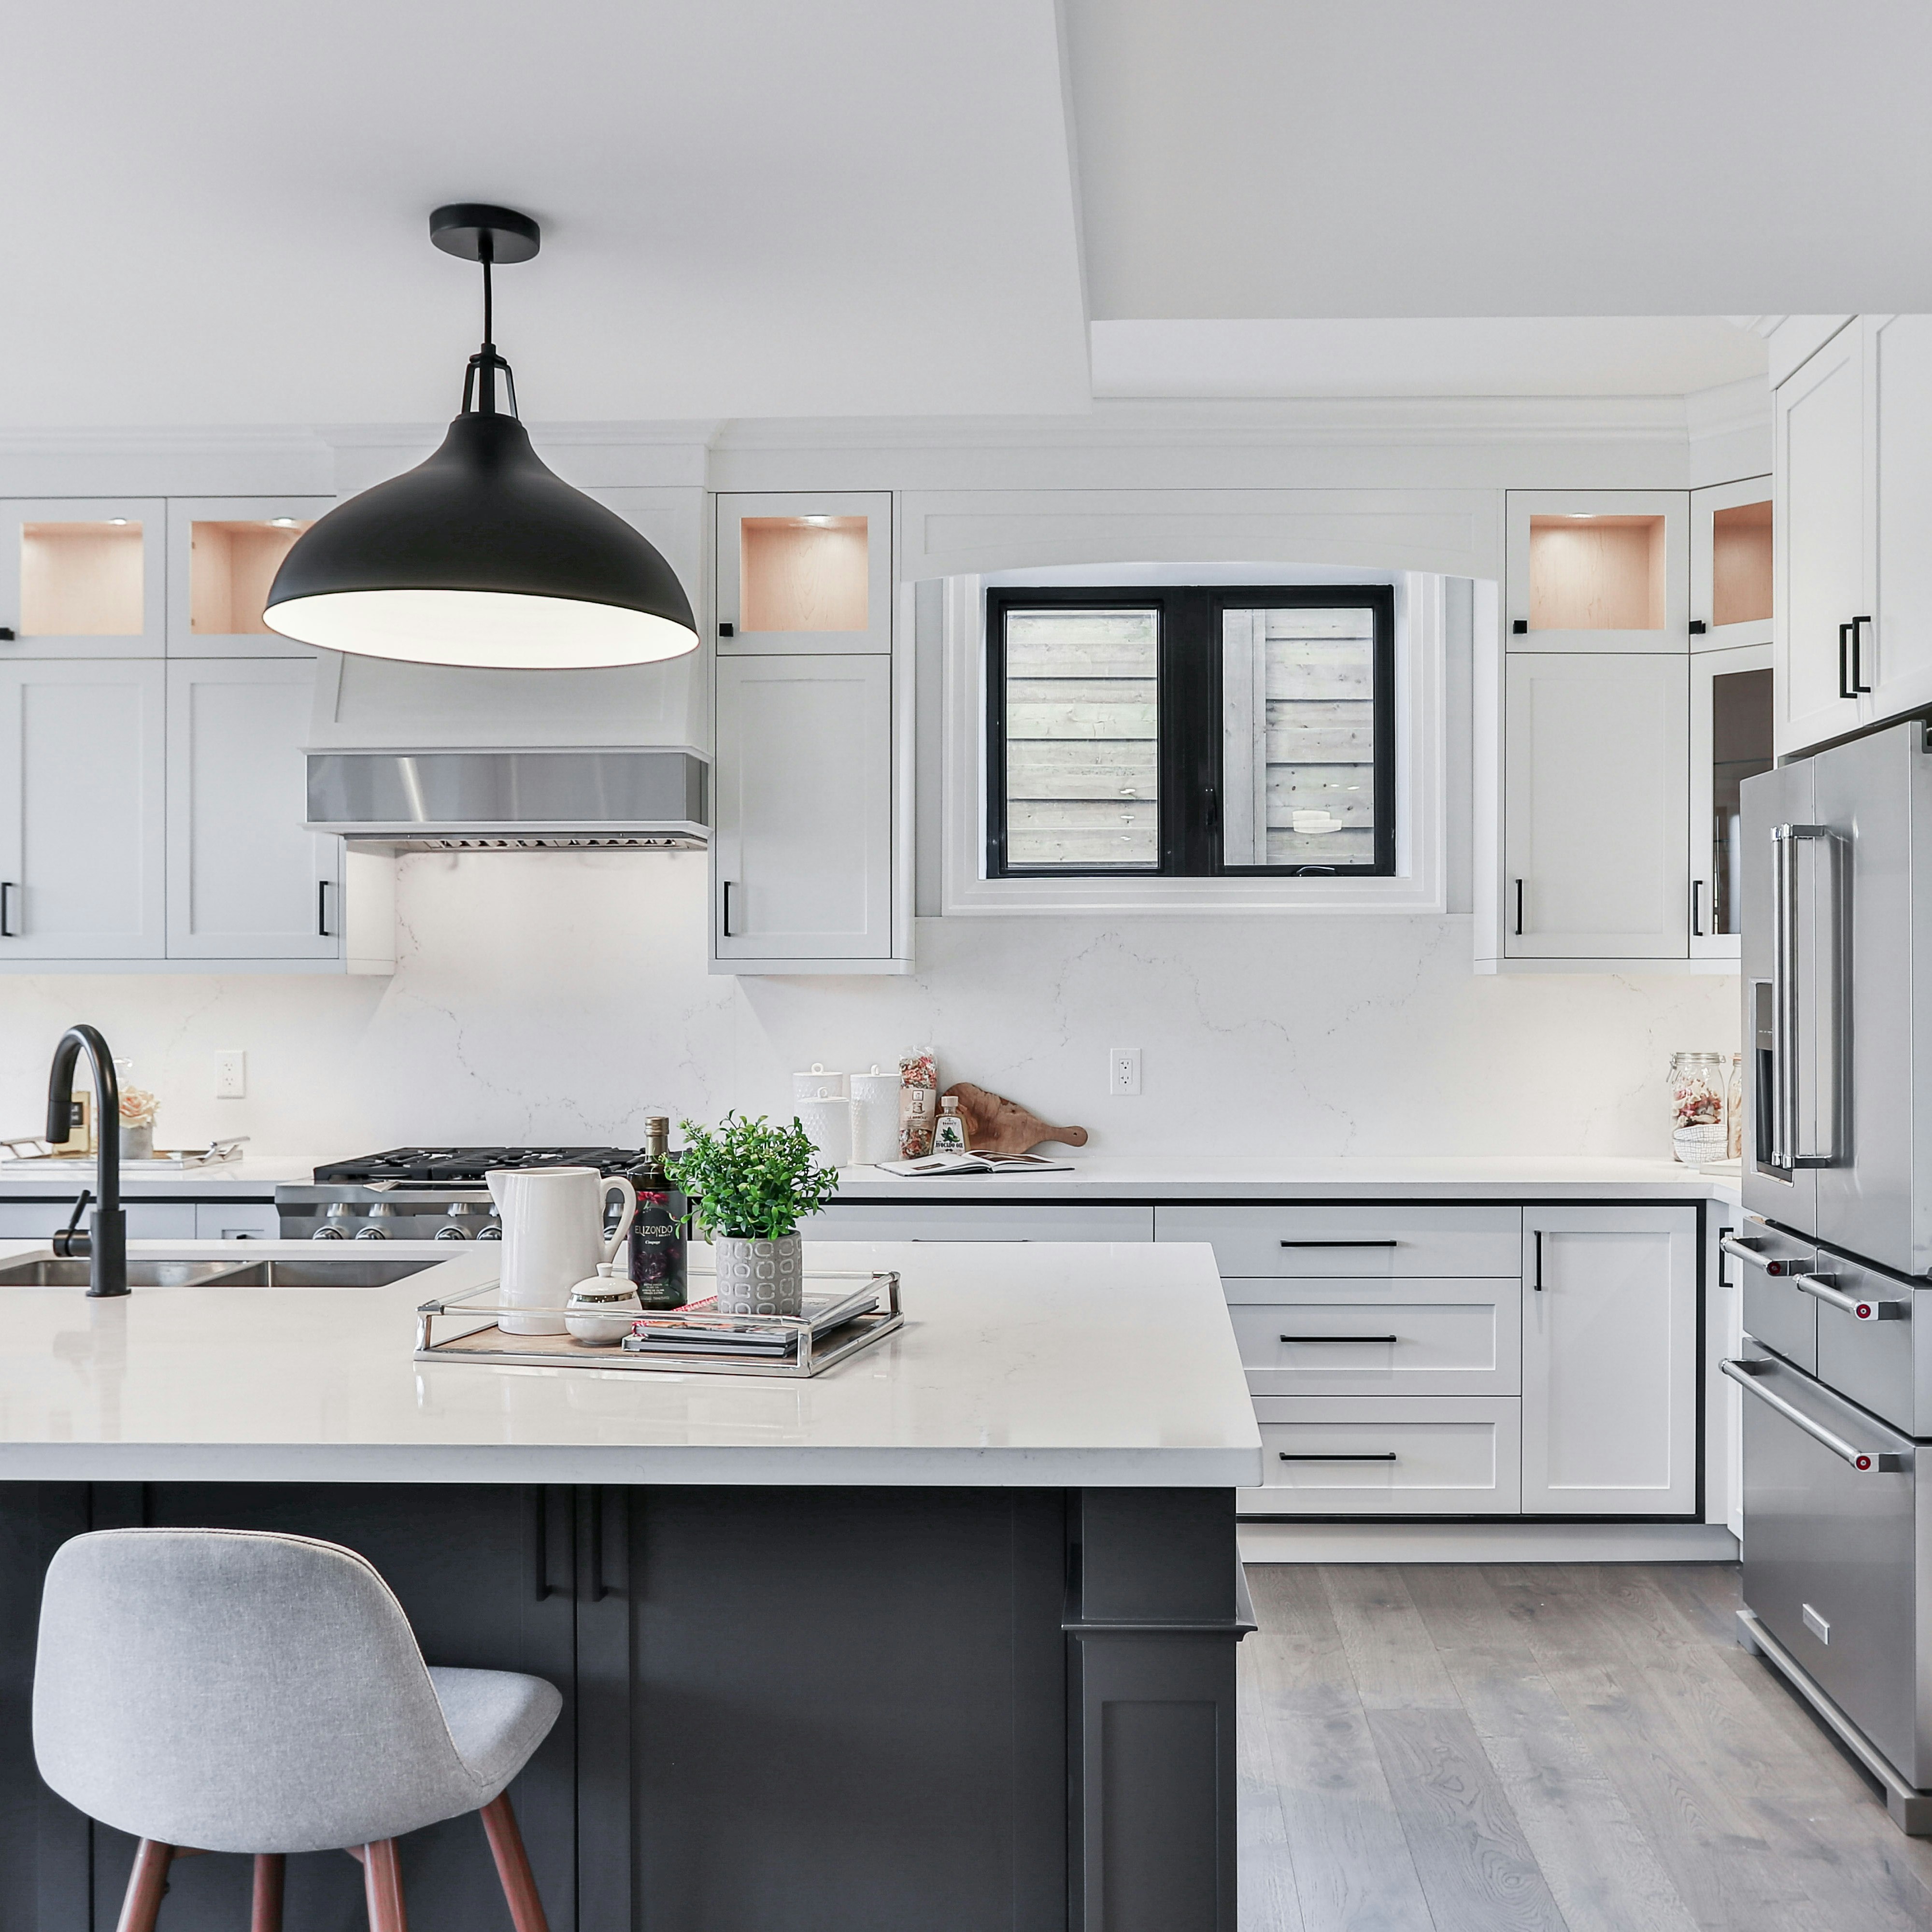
105	1243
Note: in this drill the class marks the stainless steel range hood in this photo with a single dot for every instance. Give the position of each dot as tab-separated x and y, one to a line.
637	800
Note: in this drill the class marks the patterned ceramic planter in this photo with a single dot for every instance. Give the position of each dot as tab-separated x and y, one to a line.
756	1277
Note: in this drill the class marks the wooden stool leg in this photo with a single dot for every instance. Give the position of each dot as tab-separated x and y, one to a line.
513	1866
271	1872
145	1884
382	1887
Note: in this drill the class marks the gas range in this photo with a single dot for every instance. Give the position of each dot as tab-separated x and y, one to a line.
421	1194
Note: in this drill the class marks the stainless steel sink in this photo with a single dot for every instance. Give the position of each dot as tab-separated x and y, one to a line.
324	1271
44	1272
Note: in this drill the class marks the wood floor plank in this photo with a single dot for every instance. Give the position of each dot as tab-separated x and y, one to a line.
1390	1654
1602	1870
1706	1593
1353	1870
1478	1872
1267	1902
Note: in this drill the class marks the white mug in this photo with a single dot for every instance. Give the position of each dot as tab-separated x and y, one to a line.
553	1237
829	1122
818	1085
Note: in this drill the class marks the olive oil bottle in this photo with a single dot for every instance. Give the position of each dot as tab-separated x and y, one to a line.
657	1230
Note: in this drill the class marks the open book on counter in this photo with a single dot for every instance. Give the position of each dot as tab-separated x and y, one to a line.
933	1165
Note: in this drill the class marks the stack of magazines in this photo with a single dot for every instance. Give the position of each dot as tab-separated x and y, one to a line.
670	1334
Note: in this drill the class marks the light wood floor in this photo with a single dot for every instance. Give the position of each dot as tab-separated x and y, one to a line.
1432	1747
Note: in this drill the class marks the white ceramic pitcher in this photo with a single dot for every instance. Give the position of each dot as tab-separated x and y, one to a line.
553	1237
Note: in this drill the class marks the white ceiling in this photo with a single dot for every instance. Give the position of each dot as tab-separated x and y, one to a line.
215	214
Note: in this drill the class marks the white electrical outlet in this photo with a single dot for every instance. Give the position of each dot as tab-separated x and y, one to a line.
1123	1069
231	1073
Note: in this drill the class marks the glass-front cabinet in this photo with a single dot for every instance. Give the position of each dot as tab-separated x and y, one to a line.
82	577
1597	570
1731	564
1731	724
802	572
223	555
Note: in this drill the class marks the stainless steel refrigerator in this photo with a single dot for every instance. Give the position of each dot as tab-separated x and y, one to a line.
1837	1364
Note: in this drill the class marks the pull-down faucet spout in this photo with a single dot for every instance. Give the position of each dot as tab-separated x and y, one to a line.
106	1236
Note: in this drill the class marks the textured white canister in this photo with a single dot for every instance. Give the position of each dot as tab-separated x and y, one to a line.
819	1084
875	1116
829	1122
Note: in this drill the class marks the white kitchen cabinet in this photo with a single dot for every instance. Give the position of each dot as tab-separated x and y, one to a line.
1894	649
147	1220
245	881
1595	779
1731	570
237	1221
1820	555
1610	1361
82	576
1732	728
1386	1456
804	573
988	1221
82	852
1597	570
802	834
223	554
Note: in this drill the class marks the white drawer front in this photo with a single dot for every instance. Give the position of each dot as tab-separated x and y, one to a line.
1353	1241
1432	1456
1458	1336
994	1221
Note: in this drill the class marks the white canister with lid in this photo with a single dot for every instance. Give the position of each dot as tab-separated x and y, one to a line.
875	1116
819	1084
602	1308
829	1122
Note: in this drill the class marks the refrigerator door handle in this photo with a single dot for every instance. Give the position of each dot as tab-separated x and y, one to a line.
1789	1150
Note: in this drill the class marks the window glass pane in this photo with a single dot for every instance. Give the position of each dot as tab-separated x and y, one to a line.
1740	748
1297	737
1082	726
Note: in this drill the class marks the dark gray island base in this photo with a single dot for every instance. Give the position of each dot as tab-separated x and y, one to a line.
791	1709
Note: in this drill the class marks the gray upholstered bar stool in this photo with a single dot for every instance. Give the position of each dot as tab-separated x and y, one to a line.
221	1690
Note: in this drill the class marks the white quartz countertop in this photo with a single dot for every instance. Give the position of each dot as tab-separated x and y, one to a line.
1043	1364
1339	1178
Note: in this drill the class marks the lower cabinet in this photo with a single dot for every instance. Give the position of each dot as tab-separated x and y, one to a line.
1387	1456
147	1220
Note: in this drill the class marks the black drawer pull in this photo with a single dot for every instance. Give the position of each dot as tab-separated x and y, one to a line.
1386	1456
1341	1244
1341	1338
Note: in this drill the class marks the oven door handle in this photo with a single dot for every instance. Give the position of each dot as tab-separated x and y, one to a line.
1866	1461
1860	1308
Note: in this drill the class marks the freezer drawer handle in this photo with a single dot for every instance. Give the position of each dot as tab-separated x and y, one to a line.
1866	1461
1820	1288
1734	1244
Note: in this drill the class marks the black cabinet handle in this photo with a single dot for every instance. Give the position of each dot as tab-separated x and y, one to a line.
728	630
1520	629
6	633
1538	1283
1844	660
1341	1244
1341	1338
728	885
1697	627
540	1537
1859	687
1696	908
1384	1455
599	1589
1518	908
7	890
322	909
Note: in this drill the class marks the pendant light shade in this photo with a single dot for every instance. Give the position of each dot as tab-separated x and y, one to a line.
482	555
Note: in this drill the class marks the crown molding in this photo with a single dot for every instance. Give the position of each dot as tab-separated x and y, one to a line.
1728	408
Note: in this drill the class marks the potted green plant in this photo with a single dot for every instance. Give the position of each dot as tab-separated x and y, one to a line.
750	1182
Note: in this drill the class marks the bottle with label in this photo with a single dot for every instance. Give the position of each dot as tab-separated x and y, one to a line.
949	1133
657	1232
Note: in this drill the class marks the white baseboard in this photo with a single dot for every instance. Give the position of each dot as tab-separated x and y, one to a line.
1487	1543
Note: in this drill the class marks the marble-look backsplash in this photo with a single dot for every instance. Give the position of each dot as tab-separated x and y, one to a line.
561	997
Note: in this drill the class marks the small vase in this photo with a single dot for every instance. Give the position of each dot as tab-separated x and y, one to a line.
138	1143
761	1277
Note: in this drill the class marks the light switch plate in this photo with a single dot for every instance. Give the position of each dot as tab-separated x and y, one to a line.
1123	1069
231	1073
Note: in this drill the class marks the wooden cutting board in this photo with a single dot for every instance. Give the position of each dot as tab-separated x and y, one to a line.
998	1126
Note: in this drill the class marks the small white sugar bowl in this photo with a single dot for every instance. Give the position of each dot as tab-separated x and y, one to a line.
602	1308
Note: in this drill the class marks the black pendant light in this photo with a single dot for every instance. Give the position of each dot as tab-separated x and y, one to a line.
482	555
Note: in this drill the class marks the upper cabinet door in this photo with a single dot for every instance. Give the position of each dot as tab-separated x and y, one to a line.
1894	650
1598	570
1731	727
223	555
806	573
802	846
1595	760
1730	565
82	576
245	881
1819	550
82	751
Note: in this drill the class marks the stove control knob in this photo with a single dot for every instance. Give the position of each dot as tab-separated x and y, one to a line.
449	1232
494	1232
327	1232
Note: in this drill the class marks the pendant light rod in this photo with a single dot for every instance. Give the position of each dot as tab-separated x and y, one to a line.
479	232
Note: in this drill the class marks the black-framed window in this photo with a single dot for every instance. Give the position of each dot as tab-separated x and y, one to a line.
1191	731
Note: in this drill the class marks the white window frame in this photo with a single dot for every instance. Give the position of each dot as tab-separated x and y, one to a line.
1417	886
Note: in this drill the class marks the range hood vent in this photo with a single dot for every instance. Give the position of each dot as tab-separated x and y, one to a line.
491	801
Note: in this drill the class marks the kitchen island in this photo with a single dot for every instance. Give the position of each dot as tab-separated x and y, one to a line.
942	1638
